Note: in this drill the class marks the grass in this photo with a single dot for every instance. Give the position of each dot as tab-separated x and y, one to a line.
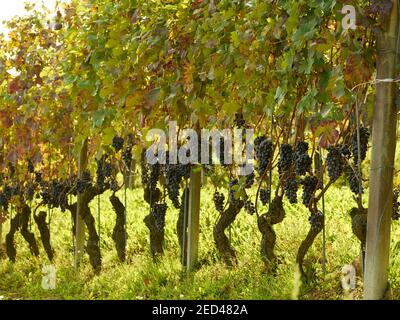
140	278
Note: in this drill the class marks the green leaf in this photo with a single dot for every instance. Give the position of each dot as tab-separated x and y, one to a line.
235	38
230	107
308	101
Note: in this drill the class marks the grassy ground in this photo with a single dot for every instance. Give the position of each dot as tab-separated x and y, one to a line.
140	278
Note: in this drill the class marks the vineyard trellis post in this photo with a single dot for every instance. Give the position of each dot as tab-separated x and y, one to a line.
80	224
382	161
193	218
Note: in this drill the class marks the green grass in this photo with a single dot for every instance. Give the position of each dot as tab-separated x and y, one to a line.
140	278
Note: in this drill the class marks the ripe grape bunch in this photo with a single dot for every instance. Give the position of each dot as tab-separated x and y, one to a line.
38	177
249	180
103	171
84	183
249	207
127	157
302	160
317	221
144	169
114	185
310	184
290	188
3	201
364	137
174	173
154	175
239	120
265	196
117	143
264	150
285	158
335	162
354	180
219	201
158	211
31	168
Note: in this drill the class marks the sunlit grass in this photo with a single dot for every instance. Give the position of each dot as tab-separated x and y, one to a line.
140	278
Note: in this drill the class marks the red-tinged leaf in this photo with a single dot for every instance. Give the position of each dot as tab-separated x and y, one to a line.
5	119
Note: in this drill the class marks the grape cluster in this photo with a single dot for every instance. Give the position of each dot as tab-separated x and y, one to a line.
54	194
130	140
354	180
103	171
174	173
396	205
249	180
285	158
317	221
84	182
117	143
335	163
239	120
249	207
3	201
31	168
158	211
219	201
265	196
11	169
310	184
8	191
127	157
264	150
16	191
379	7
114	185
302	160
344	151
38	177
290	188
154	175
364	137
144	168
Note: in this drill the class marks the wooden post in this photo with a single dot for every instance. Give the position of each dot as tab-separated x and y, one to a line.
382	162
80	224
194	218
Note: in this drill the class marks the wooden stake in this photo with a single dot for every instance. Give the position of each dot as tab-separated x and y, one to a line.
80	224
193	219
383	152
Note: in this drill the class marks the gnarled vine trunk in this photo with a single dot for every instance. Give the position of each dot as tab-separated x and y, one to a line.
265	222
10	244
44	231
307	243
156	235
92	244
26	234
119	232
222	242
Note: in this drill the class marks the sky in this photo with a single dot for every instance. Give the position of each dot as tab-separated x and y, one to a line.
10	8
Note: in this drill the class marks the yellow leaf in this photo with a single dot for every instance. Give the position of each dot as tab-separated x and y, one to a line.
134	99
